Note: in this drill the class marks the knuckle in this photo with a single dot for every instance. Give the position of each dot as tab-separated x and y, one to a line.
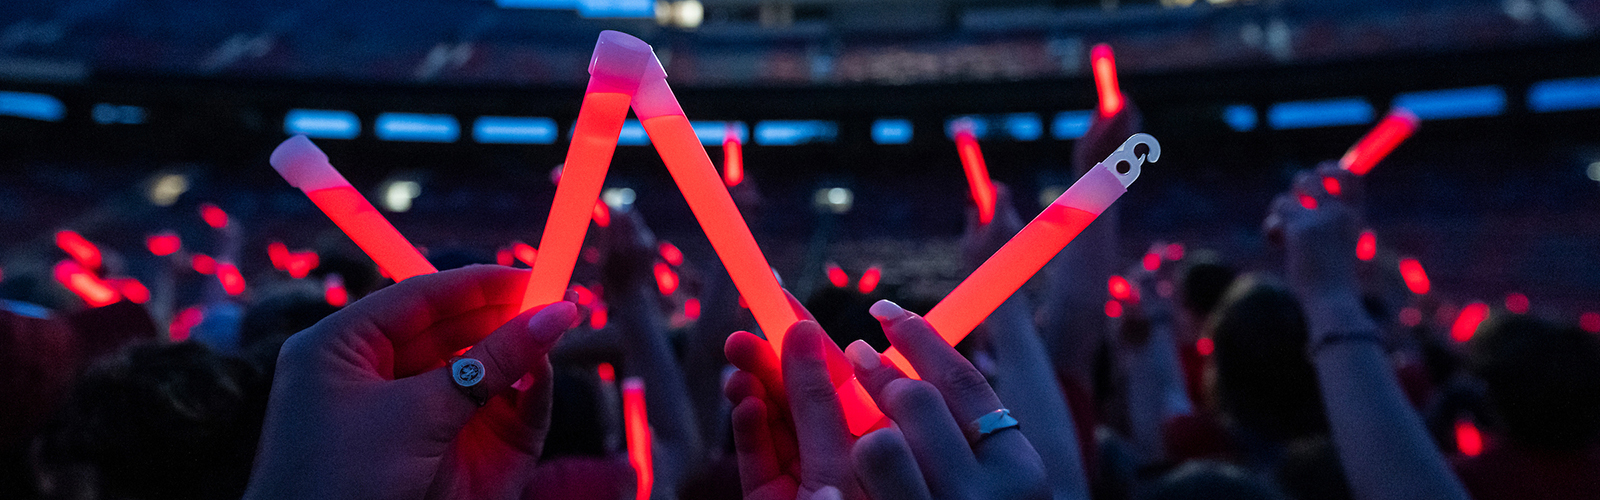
817	394
909	395
965	381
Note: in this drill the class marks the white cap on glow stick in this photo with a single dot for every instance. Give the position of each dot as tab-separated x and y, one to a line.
305	166
1103	184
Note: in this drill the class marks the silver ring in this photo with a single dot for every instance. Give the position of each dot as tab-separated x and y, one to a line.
989	423
466	373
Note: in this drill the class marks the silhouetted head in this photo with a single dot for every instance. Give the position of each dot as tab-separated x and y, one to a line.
1543	381
1263	380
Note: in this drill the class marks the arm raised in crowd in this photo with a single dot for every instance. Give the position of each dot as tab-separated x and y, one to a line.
1149	351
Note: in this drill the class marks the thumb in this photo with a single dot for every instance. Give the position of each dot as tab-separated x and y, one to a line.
489	368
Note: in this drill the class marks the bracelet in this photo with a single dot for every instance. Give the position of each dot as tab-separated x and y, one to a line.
1343	338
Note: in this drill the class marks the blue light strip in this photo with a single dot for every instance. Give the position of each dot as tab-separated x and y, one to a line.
42	107
1564	95
795	132
322	123
980	126
514	130
713	133
617	8
1240	117
1469	102
417	127
891	131
1024	126
1323	113
1071	124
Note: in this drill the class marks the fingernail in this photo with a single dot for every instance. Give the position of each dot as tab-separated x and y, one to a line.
827	493
549	323
888	312
863	356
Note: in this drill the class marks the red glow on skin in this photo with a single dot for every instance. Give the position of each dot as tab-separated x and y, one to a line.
354	215
1205	346
1174	252
637	428
503	257
213	215
1105	79
1517	303
666	278
1367	246
94	291
869	280
1113	309
691	308
80	249
1467	321
133	290
982	189
597	318
1331	185
203	264
300	264
602	214
1416	279
1468	439
1589	321
1308	202
334	292
1410	316
163	244
278	254
1151	261
732	161
585	297
524	253
1119	287
1372	148
185	321
670	253
607	373
232	281
836	276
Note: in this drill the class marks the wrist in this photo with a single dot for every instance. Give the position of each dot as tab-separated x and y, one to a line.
1333	312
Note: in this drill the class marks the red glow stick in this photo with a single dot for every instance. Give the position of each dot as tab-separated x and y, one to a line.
1468	320
614	74
1517	303
1104	64
1468	439
1416	279
637	427
606	372
1113	308
732	158
869	279
133	290
1119	288
184	321
504	257
525	253
585	297
278	254
80	249
1015	263
163	244
83	283
1205	346
334	292
306	167
691	308
1589	321
1174	252
977	171
666	279
836	276
602	214
1151	261
228	275
300	264
671	254
203	264
598	317
1394	129
1367	245
213	215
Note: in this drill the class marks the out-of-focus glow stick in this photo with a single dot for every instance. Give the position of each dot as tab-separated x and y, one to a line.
614	73
203	264
1205	346
1416	279
636	424
1113	308
836	275
163	244
300	264
691	308
504	257
1517	303
133	290
213	215
972	163
666	278
83	283
1015	263
1589	321
1467	321
732	158
184	321
606	372
602	214
525	253
306	167
1367	245
334	292
598	317
585	297
1468	439
671	254
228	275
278	255
1394	129
869	279
1104	64
1119	288
80	249
1151	261
1173	253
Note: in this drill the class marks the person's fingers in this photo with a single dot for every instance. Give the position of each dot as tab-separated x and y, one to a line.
827	493
742	385
886	468
819	423
918	409
398	313
753	447
534	402
871	367
963	387
754	355
799	308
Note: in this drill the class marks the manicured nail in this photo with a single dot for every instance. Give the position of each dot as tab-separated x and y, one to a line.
863	356
888	312
557	316
827	493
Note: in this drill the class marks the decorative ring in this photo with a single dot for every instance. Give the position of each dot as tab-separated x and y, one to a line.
467	373
989	423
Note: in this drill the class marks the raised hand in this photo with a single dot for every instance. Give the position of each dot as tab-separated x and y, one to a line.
365	405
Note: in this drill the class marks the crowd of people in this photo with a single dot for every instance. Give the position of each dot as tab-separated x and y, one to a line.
1294	381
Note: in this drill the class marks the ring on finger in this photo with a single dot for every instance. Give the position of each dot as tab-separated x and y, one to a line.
466	373
990	423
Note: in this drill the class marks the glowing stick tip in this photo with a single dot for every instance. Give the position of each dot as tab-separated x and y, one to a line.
304	165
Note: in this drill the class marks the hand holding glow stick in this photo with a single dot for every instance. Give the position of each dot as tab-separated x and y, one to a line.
1038	242
306	167
1104	65
977	171
1394	129
637	428
614	72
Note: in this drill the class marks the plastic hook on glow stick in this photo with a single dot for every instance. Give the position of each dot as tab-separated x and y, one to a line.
1104	64
1019	259
618	64
636	425
306	167
1399	124
977	170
